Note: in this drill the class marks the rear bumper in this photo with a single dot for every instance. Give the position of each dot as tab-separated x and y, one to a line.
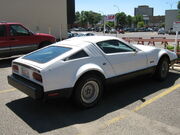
31	89
36	91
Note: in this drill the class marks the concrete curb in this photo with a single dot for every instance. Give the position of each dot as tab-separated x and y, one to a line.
175	67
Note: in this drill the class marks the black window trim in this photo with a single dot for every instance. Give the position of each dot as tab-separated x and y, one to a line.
67	60
134	49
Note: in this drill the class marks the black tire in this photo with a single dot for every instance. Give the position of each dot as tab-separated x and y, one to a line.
44	44
88	91
162	69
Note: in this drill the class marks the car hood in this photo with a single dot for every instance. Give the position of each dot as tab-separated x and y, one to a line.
154	50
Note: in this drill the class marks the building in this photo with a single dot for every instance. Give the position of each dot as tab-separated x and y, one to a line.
156	20
170	17
144	10
40	15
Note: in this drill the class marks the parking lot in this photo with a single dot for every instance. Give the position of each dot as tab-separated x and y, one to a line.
140	106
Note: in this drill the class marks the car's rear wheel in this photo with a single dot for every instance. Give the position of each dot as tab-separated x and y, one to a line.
88	91
162	69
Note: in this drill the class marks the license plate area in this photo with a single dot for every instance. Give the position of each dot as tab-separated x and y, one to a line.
25	72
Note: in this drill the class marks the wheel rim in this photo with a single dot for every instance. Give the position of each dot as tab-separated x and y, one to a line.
164	69
90	92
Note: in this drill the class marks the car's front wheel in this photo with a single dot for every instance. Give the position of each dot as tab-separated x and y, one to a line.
162	69
88	91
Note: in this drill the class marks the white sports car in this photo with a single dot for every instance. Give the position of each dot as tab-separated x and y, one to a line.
80	67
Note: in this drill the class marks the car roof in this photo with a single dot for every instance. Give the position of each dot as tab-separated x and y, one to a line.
92	39
84	41
9	23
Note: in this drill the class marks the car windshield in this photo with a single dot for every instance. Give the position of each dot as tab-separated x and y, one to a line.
47	54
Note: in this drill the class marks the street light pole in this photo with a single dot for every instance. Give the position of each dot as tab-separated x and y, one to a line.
116	21
103	22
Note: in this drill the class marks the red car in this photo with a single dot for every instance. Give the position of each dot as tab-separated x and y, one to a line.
16	39
121	31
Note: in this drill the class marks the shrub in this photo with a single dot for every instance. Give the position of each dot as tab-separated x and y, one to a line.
171	47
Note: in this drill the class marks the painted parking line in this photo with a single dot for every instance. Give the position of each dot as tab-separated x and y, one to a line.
6	91
137	108
166	92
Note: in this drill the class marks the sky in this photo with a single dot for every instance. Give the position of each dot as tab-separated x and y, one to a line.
127	6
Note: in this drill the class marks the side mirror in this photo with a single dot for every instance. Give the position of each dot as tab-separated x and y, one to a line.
31	33
136	51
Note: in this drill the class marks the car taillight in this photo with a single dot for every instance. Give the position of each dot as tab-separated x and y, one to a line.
37	77
15	68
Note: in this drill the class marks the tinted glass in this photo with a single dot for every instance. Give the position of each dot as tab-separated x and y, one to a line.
47	54
2	30
18	30
77	55
114	46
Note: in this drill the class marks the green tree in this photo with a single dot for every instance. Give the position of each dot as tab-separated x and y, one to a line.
121	19
140	24
83	18
87	17
178	5
93	17
77	17
162	25
136	19
129	20
110	24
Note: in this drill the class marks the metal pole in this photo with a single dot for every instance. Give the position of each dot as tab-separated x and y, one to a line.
104	19
104	26
49	29
176	42
60	32
116	21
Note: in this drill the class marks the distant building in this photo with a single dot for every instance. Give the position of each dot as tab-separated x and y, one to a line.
144	10
170	17
40	15
156	20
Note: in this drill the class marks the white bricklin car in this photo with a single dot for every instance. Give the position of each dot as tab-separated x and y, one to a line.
80	67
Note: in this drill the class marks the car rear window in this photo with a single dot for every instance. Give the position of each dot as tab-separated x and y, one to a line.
47	54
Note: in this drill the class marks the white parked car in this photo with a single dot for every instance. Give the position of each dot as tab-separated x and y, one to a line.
161	31
80	67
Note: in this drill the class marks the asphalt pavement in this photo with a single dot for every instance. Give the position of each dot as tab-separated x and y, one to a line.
140	106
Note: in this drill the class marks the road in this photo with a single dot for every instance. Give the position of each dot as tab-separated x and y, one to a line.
140	106
145	35
138	34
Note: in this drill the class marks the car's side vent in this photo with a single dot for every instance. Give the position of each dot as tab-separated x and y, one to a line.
80	54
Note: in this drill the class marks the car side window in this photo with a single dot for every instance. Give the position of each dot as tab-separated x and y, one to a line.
80	54
18	30
2	30
114	46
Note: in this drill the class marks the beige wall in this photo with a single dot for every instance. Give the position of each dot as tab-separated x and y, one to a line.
38	15
170	18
